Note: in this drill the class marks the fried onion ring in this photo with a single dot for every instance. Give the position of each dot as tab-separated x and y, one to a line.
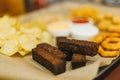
111	34
111	43
114	29
99	38
107	53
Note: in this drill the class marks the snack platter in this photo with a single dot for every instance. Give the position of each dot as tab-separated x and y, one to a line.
18	65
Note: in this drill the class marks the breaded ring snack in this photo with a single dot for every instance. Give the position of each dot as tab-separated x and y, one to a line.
111	43
100	37
107	53
114	28
104	24
111	34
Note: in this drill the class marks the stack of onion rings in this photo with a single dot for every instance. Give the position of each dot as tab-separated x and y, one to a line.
109	44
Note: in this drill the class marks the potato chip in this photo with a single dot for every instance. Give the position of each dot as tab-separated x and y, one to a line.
9	47
22	38
46	37
7	21
35	31
1	42
7	32
27	42
23	52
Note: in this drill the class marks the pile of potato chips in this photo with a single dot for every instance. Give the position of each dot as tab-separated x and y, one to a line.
16	37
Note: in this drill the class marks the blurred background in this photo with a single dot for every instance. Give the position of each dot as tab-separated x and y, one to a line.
17	7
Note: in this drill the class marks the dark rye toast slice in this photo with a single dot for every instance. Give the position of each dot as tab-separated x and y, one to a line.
66	52
52	49
50	61
78	60
77	46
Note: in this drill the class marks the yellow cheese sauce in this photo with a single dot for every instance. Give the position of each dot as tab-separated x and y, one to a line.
59	26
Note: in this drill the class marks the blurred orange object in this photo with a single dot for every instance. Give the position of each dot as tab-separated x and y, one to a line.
12	7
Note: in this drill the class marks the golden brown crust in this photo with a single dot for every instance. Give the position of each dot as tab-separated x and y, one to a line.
114	28
100	37
111	43
107	53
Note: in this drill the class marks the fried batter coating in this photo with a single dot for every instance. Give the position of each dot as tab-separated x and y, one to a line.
114	28
107	53
111	43
100	37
